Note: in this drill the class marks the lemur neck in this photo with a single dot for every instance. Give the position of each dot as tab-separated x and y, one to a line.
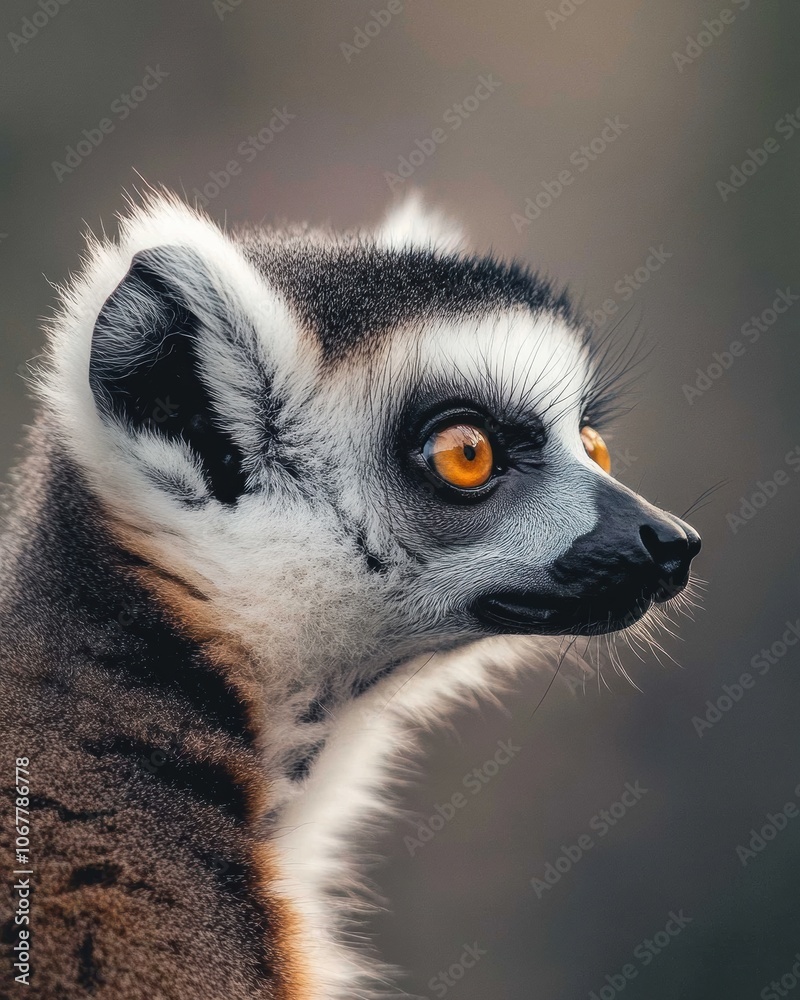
244	789
106	596
128	716
77	593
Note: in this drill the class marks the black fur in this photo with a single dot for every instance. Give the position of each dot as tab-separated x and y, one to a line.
158	384
317	710
354	294
298	768
145	880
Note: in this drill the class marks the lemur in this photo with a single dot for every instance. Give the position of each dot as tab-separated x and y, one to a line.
289	496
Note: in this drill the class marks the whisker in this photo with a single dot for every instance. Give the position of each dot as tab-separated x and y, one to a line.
552	679
704	496
407	680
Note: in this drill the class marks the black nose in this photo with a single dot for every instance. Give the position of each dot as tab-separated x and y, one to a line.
671	545
635	555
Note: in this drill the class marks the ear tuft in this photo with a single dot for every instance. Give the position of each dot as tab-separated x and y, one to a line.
410	224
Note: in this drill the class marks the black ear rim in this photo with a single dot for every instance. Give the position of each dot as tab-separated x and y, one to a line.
156	384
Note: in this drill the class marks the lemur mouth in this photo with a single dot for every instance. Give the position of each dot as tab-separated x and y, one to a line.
524	613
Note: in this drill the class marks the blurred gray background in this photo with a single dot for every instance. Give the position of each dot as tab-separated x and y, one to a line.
357	112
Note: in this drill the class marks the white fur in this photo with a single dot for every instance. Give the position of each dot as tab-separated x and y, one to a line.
411	224
372	744
286	579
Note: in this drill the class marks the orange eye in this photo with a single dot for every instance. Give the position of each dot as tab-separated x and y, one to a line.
596	448
461	454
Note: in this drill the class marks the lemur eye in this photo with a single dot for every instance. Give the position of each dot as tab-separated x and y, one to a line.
461	454
596	448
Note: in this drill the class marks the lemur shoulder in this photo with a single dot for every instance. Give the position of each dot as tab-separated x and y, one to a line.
289	496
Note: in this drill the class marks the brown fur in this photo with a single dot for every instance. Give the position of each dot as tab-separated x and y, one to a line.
151	882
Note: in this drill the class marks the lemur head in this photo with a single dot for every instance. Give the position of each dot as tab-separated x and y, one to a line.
352	449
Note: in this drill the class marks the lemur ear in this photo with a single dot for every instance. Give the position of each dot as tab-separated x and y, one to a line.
169	359
410	223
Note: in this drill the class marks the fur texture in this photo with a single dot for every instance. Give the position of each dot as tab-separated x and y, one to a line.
227	443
